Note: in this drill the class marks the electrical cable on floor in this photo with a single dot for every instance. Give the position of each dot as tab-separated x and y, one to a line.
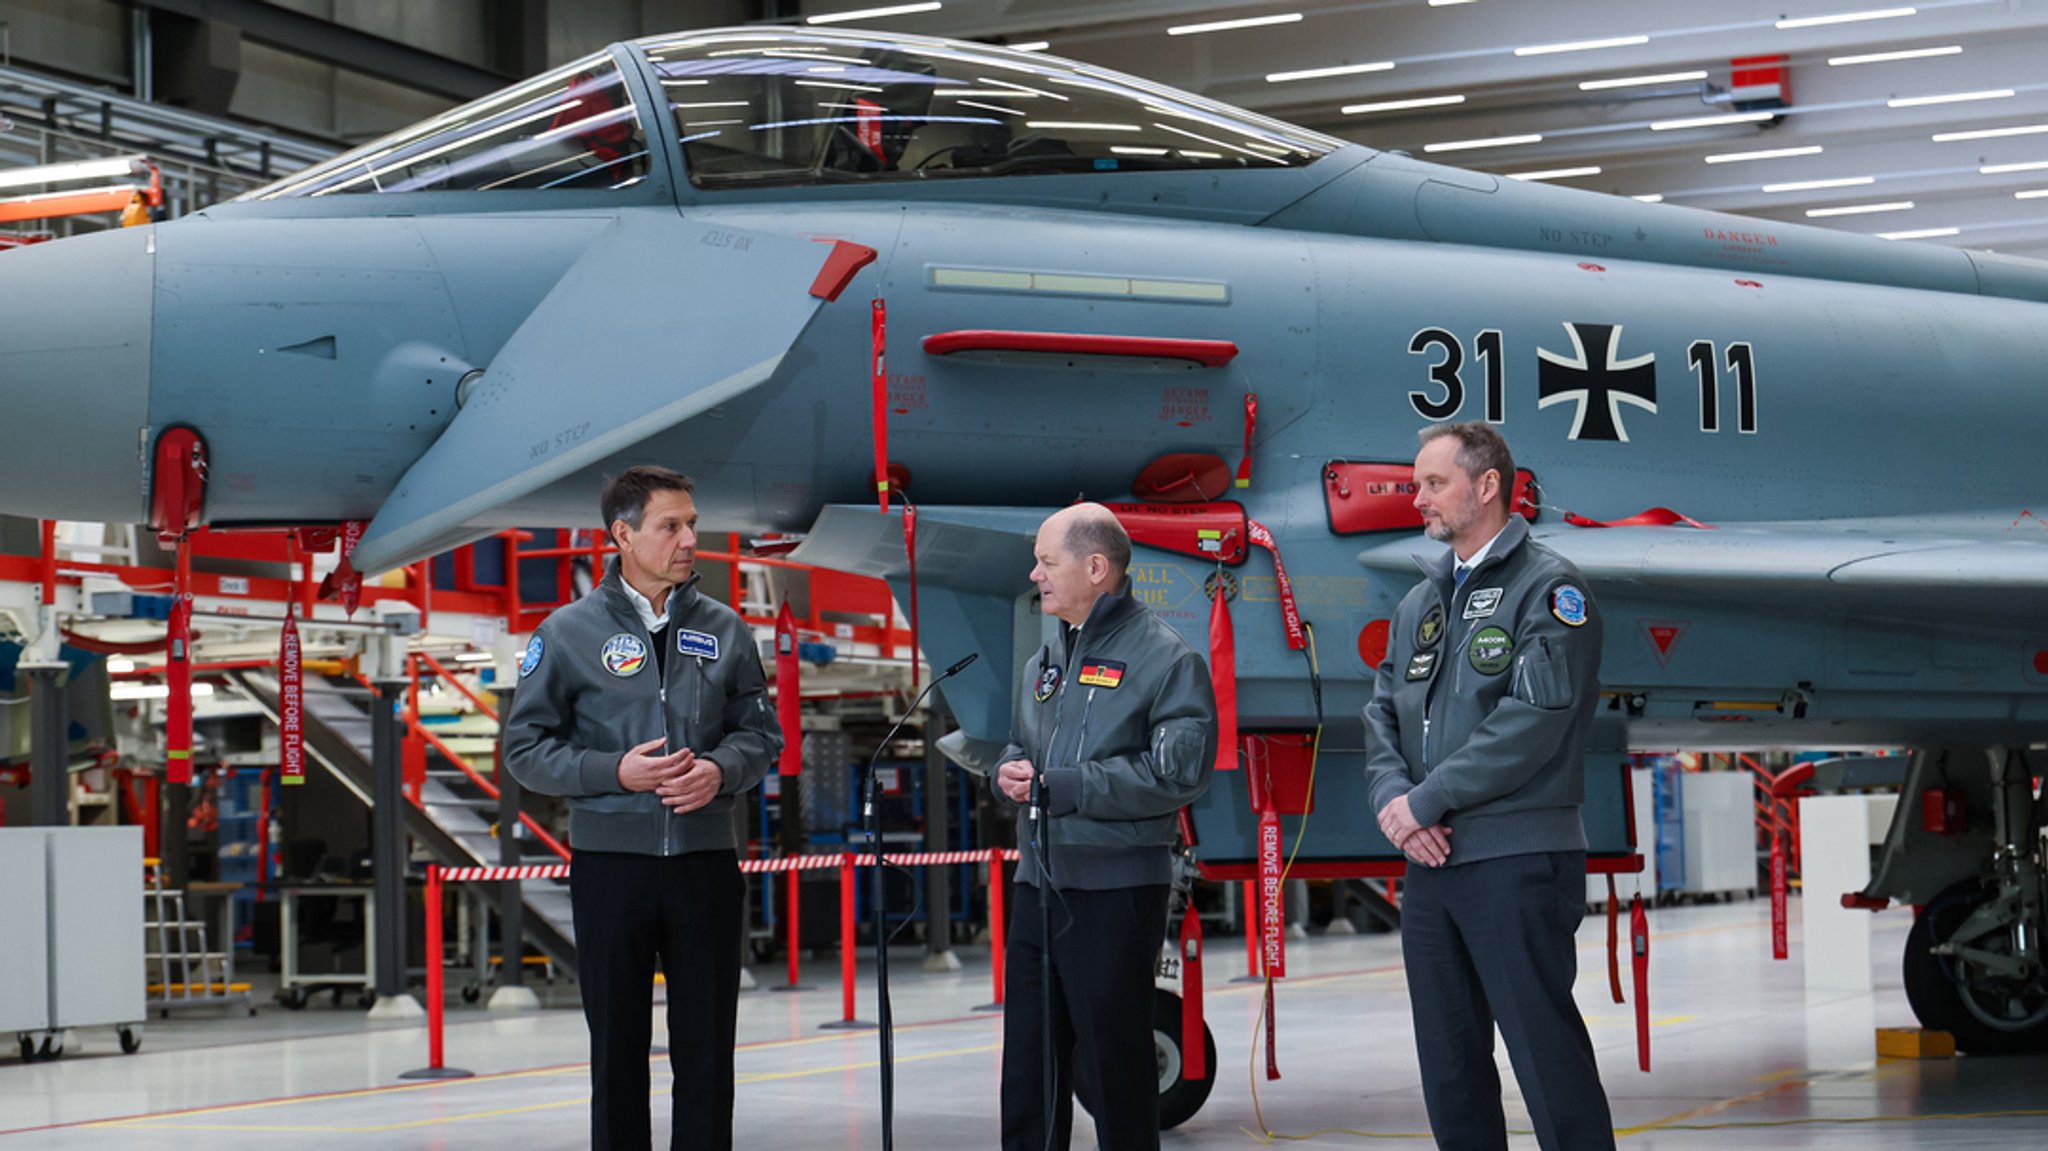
1315	682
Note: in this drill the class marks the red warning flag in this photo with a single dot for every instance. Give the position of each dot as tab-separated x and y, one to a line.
1251	423
1639	944
291	737
788	698
878	340
1223	674
178	675
345	583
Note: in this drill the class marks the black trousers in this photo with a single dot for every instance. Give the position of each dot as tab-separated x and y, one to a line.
683	910
1493	942
1105	949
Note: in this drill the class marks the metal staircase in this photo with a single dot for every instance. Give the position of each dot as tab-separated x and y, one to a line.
454	818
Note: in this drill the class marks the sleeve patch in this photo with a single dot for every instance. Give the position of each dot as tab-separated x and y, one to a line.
1568	604
531	658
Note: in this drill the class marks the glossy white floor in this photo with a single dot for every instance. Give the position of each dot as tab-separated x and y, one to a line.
1744	1057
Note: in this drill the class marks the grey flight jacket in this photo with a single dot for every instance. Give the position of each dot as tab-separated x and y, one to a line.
1123	727
1480	710
589	691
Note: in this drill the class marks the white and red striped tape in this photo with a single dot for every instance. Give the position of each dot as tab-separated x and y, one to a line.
747	866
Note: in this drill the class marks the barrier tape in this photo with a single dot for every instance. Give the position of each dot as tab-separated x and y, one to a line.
747	866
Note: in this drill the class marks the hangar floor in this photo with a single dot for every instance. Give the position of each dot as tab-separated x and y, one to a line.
1744	1056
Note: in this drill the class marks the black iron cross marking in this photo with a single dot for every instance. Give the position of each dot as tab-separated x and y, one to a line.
1599	388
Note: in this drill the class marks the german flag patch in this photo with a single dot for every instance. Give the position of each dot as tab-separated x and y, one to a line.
1101	673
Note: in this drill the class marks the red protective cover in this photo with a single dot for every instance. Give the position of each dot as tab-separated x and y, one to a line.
1277	766
1362	496
1183	477
1177	528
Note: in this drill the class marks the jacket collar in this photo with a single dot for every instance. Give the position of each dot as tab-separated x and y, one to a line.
1111	610
613	588
1510	540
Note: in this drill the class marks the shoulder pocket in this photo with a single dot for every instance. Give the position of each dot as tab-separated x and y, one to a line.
1543	678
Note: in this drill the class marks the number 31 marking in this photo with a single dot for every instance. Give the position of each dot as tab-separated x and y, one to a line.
1486	347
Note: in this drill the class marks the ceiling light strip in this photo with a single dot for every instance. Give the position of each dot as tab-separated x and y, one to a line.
1859	209
1845	18
1402	105
1640	81
873	13
1234	25
1766	154
1488	142
1889	57
1581	46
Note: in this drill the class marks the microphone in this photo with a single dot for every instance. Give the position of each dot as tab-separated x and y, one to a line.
957	668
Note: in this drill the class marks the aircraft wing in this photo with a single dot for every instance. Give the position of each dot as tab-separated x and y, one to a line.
660	320
1993	565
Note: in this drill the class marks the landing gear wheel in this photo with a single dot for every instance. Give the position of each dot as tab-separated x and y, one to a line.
28	1048
131	1040
472	992
53	1046
293	998
1988	1013
1179	1096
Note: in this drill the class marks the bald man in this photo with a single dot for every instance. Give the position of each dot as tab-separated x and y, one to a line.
1116	722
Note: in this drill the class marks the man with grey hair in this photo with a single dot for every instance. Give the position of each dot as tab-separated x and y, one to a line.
1474	740
1114	731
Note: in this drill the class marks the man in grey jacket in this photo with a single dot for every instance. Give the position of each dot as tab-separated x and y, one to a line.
1474	740
644	703
1115	725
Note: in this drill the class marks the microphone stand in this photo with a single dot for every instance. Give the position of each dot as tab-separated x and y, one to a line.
1041	845
885	1030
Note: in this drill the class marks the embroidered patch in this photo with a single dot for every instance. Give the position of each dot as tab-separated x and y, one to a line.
703	645
1490	651
1101	673
531	659
1568	604
1483	602
1048	682
1421	664
624	655
1431	629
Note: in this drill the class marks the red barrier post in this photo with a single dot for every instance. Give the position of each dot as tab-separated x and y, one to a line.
792	915
435	991
1778	892
998	929
1251	935
846	950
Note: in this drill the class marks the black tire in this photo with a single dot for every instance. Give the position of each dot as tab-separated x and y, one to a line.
1986	1018
28	1048
131	1041
1179	1096
471	992
53	1046
366	1000
293	998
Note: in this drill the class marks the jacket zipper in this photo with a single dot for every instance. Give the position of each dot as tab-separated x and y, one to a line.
667	742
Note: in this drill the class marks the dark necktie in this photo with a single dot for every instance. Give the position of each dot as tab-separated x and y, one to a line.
1458	575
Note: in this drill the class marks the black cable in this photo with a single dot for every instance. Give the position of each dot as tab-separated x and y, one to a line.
1041	843
870	814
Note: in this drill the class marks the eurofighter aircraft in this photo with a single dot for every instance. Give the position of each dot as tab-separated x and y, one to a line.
1821	452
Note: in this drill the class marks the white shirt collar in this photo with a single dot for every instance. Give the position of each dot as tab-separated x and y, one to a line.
645	607
1479	555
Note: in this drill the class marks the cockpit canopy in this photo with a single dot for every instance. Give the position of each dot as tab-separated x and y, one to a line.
756	108
759	108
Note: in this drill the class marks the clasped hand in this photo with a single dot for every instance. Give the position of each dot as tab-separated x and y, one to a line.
1429	846
682	780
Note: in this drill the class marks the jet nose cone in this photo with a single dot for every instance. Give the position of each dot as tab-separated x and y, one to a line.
75	319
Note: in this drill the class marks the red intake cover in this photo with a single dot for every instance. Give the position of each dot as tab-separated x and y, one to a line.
178	483
1183	477
1179	528
1277	766
1369	497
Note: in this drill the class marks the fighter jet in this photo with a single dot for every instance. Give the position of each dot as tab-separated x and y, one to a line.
1819	453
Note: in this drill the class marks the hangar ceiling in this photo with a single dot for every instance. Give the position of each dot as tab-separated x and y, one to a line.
1925	121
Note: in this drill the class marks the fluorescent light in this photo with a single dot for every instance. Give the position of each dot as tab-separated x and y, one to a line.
1581	46
1949	98
1650	198
1845	18
990	107
1710	121
1860	209
1337	70
1919	234
1555	174
1639	81
714	104
1401	105
75	170
1989	133
140	691
474	657
1817	185
1489	142
873	13
1078	126
1233	25
2001	169
1888	57
120	666
1134	150
1030	46
2029	194
1447	3
1766	154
